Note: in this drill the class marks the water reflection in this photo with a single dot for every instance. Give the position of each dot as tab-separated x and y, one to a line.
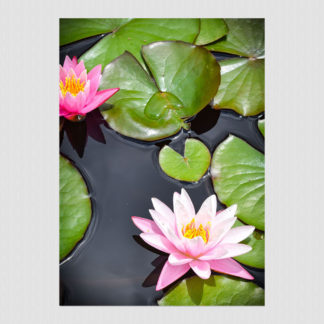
114	266
153	277
79	131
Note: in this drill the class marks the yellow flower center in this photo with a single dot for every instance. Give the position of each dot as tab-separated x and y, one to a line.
190	231
72	85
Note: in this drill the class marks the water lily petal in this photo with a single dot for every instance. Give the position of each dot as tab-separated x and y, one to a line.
83	77
219	230
164	210
207	211
99	99
61	99
159	242
146	225
194	246
234	250
201	268
215	253
161	221
231	267
79	101
63	74
225	214
171	273
74	61
71	74
86	90
63	112
178	259
95	72
79	68
238	234
69	103
186	201
182	215
94	76
166	228
67	65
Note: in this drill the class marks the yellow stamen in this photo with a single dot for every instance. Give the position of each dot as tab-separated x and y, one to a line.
190	231
72	85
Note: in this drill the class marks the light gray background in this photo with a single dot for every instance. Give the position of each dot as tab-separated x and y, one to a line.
29	161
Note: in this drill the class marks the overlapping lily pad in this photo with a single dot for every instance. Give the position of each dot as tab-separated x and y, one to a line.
238	176
254	258
75	207
211	29
215	291
261	125
74	29
137	32
186	79
242	86
190	167
245	37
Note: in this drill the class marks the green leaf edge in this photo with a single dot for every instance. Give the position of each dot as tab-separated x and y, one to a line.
242	258
238	110
222	201
198	40
162	301
261	126
183	120
211	47
192	139
87	35
64	256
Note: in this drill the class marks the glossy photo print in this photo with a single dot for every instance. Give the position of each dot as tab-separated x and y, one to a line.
162	180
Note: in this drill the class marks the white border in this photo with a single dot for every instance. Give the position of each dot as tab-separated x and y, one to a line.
29	151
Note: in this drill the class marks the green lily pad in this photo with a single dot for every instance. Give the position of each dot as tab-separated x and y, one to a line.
75	207
242	86
238	176
245	38
261	125
137	32
215	291
242	79
254	258
128	105
211	29
187	71
74	29
190	167
159	103
186	79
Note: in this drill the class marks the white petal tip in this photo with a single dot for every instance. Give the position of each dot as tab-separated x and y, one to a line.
183	191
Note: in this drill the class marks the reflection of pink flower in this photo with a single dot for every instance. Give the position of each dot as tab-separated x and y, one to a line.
202	241
78	90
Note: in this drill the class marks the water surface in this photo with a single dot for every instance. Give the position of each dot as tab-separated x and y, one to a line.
112	265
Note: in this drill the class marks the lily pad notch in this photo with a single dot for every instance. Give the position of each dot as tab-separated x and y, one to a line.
191	167
183	80
242	86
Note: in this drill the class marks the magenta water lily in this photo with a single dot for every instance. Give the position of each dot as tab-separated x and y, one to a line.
202	242
79	90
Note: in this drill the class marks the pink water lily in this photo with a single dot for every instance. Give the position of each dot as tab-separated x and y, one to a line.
203	242
78	89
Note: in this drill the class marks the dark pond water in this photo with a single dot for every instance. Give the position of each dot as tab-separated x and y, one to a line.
112	266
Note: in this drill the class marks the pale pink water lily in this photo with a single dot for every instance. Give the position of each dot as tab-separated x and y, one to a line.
78	89
203	242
